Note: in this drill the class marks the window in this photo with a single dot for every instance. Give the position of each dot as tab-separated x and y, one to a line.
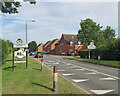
60	50
71	43
72	37
79	43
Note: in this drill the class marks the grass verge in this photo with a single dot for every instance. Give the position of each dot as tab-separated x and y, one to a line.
110	63
32	80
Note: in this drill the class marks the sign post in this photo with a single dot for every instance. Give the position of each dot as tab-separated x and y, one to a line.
91	46
20	53
13	62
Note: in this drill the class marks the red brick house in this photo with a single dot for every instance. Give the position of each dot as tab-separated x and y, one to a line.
68	44
51	46
45	45
40	47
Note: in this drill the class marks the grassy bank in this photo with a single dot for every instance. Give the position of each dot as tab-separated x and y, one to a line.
32	80
109	63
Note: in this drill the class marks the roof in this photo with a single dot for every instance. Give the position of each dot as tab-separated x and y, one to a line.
39	44
70	37
46	43
52	42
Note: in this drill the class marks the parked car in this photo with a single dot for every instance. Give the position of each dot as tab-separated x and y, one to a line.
31	53
40	54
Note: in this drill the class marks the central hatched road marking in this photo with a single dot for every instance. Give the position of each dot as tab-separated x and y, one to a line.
67	74
108	78
101	91
80	80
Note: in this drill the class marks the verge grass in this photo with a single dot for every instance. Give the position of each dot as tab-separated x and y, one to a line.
32	80
110	63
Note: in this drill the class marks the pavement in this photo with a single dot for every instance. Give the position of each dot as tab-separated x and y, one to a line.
92	78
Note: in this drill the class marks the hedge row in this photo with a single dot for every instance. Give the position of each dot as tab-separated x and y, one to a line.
6	48
108	52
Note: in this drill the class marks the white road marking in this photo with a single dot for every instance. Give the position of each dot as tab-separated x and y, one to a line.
91	73
49	65
79	69
99	72
107	78
101	91
69	64
61	70
67	74
80	80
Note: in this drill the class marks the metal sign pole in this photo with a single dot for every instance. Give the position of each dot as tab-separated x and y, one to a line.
89	53
26	59
13	62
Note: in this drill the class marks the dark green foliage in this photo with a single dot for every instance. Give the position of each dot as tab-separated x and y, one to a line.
92	31
32	46
11	7
6	48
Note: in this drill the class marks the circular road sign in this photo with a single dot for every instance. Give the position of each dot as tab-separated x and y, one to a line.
19	41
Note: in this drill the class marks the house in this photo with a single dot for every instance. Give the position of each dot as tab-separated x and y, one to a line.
68	44
45	45
51	46
40	47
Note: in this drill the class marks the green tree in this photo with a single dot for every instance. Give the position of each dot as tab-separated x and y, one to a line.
32	46
10	6
89	31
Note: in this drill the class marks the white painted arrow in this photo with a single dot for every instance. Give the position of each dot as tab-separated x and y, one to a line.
80	80
101	91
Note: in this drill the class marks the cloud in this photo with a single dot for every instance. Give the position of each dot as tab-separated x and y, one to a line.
54	19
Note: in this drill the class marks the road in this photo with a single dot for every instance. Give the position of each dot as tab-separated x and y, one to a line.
95	79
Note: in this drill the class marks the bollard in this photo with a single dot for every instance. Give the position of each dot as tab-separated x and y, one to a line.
55	76
38	60
42	63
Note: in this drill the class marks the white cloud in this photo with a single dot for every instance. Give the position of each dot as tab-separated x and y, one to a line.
53	19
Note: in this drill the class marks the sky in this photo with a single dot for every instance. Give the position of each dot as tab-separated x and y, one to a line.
52	19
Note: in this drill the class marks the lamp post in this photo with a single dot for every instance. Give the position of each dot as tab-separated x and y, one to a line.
26	41
26	27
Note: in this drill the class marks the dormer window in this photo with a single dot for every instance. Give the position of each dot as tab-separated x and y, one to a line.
72	37
79	43
71	43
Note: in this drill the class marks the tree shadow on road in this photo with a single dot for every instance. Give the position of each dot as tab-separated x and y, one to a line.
42	86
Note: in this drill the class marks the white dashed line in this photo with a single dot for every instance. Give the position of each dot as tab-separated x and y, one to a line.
67	74
49	65
107	78
101	91
80	80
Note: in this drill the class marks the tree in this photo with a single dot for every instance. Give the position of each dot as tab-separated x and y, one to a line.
89	31
10	6
32	46
92	31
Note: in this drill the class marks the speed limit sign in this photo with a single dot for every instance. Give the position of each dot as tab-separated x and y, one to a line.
19	41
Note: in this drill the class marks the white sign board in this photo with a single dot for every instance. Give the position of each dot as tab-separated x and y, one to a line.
20	46
20	53
92	47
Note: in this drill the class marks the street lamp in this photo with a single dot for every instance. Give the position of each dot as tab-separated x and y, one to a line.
26	27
